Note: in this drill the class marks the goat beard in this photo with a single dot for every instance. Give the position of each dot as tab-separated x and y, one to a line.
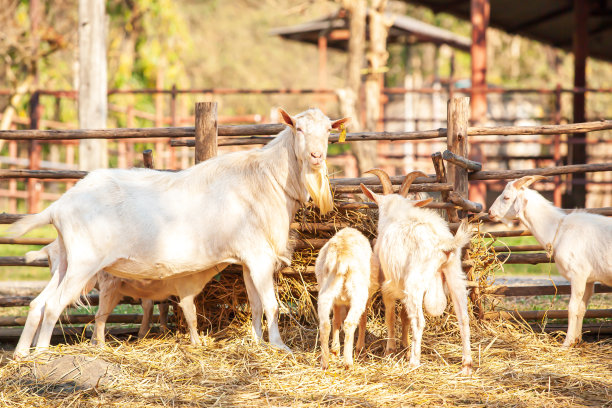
317	184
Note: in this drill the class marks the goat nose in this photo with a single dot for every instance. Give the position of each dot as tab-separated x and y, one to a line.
316	155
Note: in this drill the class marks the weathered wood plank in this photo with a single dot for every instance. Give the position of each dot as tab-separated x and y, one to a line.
206	130
424	187
540	290
550	171
458	114
464	203
80	319
541	130
461	161
541	314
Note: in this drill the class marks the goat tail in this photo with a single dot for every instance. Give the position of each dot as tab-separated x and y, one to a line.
435	297
39	255
341	267
29	222
463	235
461	238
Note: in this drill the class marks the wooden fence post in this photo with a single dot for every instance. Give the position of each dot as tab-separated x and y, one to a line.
147	158
458	115
34	186
205	131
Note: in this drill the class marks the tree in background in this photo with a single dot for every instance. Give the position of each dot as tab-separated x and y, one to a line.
33	33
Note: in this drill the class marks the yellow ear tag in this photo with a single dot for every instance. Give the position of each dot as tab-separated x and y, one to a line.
342	137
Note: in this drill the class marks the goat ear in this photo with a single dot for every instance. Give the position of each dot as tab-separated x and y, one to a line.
286	117
527	181
368	193
338	123
424	202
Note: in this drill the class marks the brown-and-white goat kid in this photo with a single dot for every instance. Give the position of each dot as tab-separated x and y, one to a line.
347	277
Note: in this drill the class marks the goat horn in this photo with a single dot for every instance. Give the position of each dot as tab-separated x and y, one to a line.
384	180
527	181
403	191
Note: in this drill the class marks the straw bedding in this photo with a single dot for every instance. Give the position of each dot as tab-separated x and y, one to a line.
515	367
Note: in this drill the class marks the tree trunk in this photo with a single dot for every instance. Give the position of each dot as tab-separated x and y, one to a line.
93	154
350	101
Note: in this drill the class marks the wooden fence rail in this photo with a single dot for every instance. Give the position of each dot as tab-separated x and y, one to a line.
452	185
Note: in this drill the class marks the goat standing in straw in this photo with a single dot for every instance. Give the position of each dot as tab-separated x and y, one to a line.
146	224
346	280
420	259
580	242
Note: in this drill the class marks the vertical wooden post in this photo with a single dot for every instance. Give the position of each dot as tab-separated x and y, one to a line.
159	118
93	106
12	147
458	117
577	151
322	61
451	79
34	186
173	106
205	131
440	169
173	124
557	147
147	158
480	10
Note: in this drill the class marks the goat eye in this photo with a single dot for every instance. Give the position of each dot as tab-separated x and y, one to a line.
506	198
299	129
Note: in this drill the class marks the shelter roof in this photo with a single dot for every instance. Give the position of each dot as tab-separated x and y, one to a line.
547	21
405	29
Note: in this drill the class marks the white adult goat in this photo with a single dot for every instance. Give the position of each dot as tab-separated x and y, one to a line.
146	224
346	280
581	243
420	260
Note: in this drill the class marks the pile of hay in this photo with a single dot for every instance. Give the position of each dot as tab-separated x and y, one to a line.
514	368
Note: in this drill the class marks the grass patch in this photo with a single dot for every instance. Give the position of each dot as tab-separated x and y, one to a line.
540	269
25	273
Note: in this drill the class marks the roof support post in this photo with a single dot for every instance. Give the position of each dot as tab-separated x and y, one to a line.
577	151
480	11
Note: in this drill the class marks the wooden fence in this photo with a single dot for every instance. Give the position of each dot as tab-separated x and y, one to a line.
451	180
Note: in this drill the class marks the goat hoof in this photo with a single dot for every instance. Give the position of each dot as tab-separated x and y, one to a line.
20	355
466	370
390	352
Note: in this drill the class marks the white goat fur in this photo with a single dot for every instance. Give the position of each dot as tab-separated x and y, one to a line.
582	247
112	289
346	281
146	224
420	260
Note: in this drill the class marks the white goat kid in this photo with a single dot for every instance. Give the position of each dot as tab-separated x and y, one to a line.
420	259
581	243
346	281
147	224
111	291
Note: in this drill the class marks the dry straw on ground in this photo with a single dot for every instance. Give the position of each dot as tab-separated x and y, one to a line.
515	367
